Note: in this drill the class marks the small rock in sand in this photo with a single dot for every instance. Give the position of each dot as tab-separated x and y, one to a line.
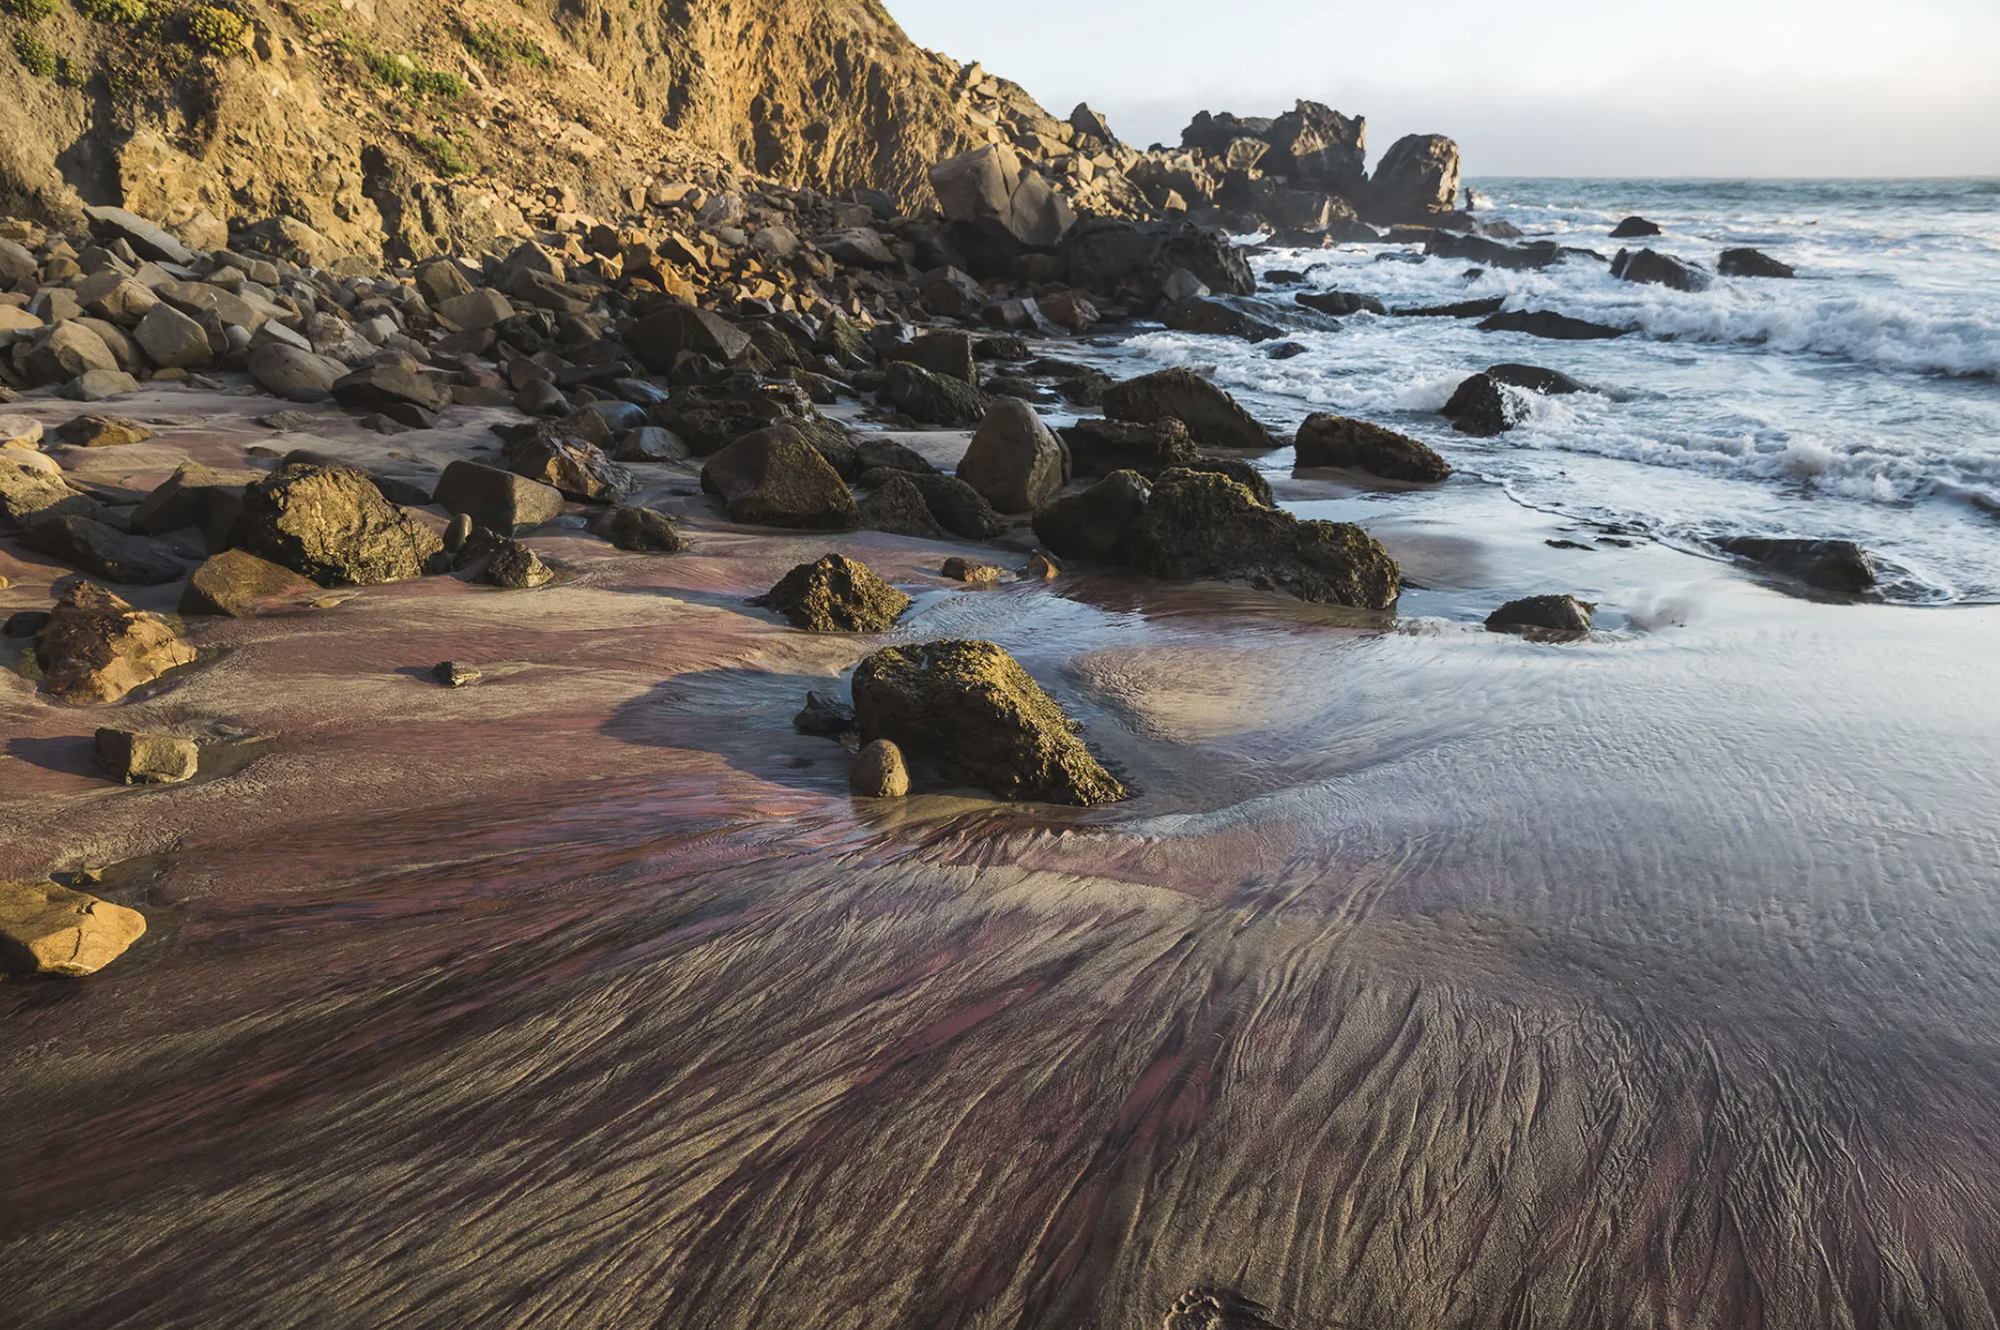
50	930
145	759
454	674
879	772
836	594
961	569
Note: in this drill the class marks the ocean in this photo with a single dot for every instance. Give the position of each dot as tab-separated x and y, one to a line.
1859	401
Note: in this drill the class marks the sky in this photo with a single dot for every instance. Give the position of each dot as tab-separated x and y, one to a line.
1537	87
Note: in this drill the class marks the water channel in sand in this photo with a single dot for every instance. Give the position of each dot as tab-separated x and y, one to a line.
1432	979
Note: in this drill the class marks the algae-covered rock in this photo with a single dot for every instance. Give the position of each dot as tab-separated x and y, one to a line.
836	594
1329	440
971	708
1199	525
1549	614
879	772
332	524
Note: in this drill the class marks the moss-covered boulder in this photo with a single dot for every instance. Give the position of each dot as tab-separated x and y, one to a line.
836	594
972	709
1199	525
1328	440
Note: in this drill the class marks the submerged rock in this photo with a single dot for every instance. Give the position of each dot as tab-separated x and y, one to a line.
1831	565
1551	614
1340	303
879	772
50	930
1634	228
1548	382
971	708
1013	461
332	524
1329	440
1478	407
146	759
773	477
1751	263
1211	415
1199	526
825	717
836	594
96	648
1545	323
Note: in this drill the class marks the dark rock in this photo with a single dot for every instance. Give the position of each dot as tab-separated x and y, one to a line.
236	584
659	338
97	648
971	708
709	419
1634	228
1479	407
196	496
332	524
1285	351
898	508
1548	382
146	759
1130	262
1538	254
1100	447
551	455
1216	318
1211	415
958	508
1098	524
25	623
1544	323
1340	303
836	595
1002	347
1208	527
1548	614
517	568
948	353
102	551
629	527
825	717
932	399
1464	309
773	477
403	395
873	452
540	397
1014	462
495	499
1329	440
454	674
650	443
1831	565
1238	470
1660	270
1750	263
1416	178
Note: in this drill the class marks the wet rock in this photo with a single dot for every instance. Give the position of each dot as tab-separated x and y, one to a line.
47	930
1100	447
1285	351
1831	565
1329	440
102	551
1416	178
1100	524
1041	567
958	568
1548	382
879	772
495	499
1340	303
539	397
873	453
825	717
1549	614
294	374
553	455
931	399
236	584
835	594
332	524
629	527
1212	417
403	395
1014	462
517	568
1544	323
1198	526
1236	469
1478	407
455	674
898	507
661	338
146	759
1216	318
1464	309
1133	262
102	432
1750	263
1071	310
651	443
958	508
97	648
773	477
971	708
1657	269
1634	228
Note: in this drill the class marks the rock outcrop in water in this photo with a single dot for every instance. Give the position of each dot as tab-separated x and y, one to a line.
970	708
836	594
1329	440
1831	565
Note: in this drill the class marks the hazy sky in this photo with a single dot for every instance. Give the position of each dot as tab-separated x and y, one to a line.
1538	87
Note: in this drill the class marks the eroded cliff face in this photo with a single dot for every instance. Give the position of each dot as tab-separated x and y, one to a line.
399	124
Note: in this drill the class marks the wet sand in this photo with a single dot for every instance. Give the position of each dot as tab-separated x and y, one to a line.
1432	978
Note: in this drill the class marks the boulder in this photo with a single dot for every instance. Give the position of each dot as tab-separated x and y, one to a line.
332	524
1548	382
96	648
1131	262
1463	309
835	594
475	309
551	455
773	477
1212	417
196	496
1479	407
1014	462
171	339
497	500
629	527
50	930
146	759
1634	228
661	337
404	395
856	247
1201	526
1415	179
147	240
294	374
971	708
1238	470
102	432
948	353
651	443
1329	440
516	567
1100	447
34	489
1541	614
958	508
1750	263
931	399
1831	565
1544	323
101	385
1100	523
1340	303
1658	269
873	452
1216	318
898	508
19	432
987	189
958	568
825	717
879	772
65	352
236	584
102	551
